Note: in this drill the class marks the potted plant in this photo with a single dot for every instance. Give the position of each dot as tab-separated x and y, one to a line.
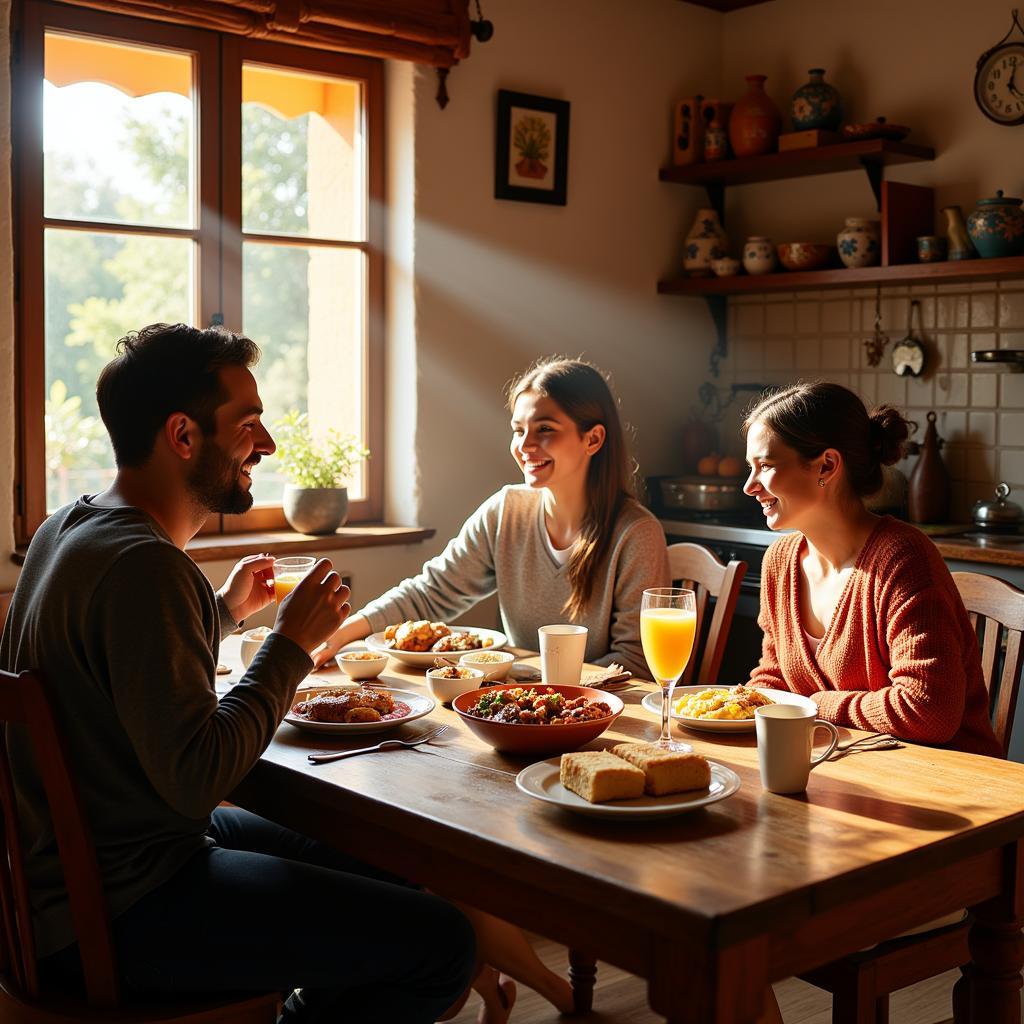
315	498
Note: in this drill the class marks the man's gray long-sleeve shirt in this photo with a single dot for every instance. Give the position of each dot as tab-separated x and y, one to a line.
126	630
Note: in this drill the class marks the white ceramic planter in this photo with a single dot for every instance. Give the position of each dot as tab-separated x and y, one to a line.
315	510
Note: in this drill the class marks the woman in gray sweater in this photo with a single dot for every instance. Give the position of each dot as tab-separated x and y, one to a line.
570	543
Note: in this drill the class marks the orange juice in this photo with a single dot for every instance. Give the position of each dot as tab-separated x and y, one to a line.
667	636
286	583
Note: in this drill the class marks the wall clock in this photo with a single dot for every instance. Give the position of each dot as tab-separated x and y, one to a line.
999	79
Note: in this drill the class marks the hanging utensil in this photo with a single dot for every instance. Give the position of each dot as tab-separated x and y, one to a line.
908	353
875	345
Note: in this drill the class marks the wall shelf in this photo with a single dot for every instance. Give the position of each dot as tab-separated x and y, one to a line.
871	155
950	272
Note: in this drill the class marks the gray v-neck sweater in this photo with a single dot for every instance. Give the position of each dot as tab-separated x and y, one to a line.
502	548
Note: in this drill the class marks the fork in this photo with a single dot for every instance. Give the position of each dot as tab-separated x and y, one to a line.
882	738
337	755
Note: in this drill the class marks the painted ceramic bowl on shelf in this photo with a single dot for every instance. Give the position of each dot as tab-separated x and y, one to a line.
556	738
877	129
804	255
725	266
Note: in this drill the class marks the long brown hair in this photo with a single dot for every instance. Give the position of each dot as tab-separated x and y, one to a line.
582	392
810	417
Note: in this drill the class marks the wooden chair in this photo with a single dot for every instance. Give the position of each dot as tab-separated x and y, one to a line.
699	569
24	703
693	566
862	982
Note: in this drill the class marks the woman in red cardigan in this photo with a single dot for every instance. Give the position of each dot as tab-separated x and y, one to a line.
859	611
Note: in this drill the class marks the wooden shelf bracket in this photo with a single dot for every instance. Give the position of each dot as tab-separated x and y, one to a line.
874	171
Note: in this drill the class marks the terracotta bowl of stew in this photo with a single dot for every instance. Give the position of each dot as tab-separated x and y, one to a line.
529	739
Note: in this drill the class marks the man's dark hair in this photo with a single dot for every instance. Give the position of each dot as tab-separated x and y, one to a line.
162	369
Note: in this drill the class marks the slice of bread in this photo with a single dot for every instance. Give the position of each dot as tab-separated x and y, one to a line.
666	771
597	776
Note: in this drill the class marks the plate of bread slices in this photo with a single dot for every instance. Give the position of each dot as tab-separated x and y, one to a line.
629	780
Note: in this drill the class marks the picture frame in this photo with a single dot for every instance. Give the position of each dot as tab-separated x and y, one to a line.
531	153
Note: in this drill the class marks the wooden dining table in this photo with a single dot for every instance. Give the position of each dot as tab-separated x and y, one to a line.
710	906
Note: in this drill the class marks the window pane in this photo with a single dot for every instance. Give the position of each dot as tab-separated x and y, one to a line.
118	133
99	286
304	307
302	155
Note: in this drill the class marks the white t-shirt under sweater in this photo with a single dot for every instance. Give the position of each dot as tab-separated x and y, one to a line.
504	547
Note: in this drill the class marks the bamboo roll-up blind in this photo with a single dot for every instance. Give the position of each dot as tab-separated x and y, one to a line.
433	32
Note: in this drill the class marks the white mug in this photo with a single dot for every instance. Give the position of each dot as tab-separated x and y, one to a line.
561	654
785	741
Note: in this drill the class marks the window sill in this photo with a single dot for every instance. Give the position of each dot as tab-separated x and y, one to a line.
217	547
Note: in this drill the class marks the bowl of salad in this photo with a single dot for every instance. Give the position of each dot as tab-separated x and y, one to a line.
537	719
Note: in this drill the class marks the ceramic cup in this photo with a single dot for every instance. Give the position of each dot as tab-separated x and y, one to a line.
561	654
931	249
785	741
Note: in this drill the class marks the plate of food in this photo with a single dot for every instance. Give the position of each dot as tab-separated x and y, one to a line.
722	708
419	642
637	781
346	711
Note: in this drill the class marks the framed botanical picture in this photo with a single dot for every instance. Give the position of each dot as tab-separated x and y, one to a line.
531	158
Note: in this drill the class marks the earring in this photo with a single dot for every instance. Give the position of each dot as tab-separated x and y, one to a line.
821	481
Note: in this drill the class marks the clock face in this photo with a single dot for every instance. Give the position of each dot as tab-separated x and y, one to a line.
908	358
999	84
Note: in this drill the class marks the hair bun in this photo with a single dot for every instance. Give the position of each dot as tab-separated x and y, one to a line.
889	431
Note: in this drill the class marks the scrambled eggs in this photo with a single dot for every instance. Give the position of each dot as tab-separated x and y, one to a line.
734	704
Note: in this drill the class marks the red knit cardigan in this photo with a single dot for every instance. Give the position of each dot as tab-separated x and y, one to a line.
899	655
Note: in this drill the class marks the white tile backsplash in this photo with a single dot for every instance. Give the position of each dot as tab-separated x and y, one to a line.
806	335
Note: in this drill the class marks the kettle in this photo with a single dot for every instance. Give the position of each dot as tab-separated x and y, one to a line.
999	515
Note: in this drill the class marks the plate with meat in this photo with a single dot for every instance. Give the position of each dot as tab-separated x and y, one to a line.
347	711
418	642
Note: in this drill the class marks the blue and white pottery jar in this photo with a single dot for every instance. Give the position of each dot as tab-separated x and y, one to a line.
816	104
758	255
859	242
996	226
706	241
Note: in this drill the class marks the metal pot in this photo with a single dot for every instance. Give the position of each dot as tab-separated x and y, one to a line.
704	493
998	515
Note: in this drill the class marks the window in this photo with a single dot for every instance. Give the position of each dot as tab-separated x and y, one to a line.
166	173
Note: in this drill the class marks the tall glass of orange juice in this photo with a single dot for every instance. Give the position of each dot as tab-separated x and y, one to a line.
288	573
668	624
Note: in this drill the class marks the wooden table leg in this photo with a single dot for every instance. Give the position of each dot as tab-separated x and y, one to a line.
997	952
582	974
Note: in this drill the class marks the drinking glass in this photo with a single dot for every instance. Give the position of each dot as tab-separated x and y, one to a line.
668	623
288	573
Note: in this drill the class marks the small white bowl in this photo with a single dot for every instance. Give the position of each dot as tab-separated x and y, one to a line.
725	266
493	664
356	664
446	690
252	641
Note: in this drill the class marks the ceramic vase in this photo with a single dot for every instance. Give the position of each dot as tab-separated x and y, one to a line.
929	489
816	104
758	255
996	226
858	242
716	142
931	249
960	245
755	121
706	242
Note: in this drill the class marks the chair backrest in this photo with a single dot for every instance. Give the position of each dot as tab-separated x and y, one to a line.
694	566
996	609
24	704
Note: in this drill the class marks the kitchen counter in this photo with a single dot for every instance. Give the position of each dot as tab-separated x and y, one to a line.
992	549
